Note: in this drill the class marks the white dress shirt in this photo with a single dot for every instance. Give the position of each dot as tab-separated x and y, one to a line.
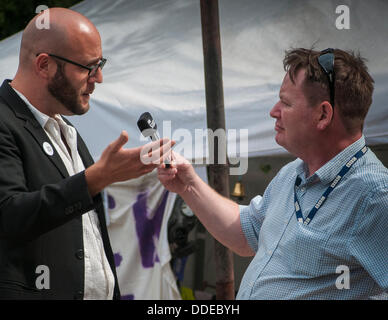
99	279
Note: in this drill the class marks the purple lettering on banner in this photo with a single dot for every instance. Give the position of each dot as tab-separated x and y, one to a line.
148	230
111	202
128	297
118	258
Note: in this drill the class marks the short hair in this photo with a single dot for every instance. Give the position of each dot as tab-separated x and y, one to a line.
353	87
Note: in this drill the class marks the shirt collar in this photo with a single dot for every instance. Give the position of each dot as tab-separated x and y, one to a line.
329	170
40	116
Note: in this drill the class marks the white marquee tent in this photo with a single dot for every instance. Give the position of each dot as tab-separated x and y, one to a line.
155	64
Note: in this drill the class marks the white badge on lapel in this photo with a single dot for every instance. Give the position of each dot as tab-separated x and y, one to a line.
48	148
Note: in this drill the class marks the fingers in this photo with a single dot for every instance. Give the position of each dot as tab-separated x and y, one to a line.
176	160
166	174
156	152
154	145
119	142
166	152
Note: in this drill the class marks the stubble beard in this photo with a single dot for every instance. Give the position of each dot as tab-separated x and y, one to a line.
62	90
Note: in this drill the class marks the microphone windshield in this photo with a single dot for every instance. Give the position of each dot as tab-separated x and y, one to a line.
146	124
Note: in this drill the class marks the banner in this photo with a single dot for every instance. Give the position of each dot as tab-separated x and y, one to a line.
138	213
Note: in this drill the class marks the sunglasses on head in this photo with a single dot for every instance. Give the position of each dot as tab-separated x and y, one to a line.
326	61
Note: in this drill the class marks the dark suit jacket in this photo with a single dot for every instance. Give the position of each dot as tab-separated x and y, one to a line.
41	210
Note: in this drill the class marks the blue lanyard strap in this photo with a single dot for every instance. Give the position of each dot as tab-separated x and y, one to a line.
333	184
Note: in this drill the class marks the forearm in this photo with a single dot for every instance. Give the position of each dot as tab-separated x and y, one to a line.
96	180
219	215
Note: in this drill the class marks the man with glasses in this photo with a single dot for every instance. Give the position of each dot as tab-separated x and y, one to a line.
320	229
54	240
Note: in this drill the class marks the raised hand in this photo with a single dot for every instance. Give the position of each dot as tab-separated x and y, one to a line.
120	164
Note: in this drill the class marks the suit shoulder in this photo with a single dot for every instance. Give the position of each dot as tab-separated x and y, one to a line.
7	115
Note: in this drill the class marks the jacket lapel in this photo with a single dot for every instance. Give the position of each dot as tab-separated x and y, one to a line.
31	124
82	148
41	137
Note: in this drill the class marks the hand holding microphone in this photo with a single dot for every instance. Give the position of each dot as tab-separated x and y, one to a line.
120	164
148	128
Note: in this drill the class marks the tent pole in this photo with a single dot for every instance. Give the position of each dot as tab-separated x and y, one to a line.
218	175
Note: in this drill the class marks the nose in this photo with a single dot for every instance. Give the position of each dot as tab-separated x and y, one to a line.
275	111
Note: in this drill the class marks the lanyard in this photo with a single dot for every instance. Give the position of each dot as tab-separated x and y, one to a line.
333	184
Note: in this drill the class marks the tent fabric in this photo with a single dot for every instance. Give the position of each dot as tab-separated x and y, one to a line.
155	64
138	212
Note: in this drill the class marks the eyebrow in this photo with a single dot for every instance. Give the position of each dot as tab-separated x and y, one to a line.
94	61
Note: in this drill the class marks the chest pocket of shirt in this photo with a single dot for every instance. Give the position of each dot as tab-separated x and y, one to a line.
309	256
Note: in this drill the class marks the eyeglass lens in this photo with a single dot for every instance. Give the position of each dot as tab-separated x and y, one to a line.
99	65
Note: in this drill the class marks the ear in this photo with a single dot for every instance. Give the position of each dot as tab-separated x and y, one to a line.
42	65
325	115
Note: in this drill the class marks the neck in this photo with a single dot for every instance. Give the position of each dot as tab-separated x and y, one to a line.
326	150
35	93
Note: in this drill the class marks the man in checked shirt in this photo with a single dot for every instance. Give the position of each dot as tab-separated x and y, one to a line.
326	211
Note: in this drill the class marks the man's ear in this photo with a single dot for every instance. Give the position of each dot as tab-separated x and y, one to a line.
42	66
325	116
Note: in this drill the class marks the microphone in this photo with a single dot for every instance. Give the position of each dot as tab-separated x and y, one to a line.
148	128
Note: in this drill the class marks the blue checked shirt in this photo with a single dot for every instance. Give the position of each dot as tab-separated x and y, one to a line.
349	232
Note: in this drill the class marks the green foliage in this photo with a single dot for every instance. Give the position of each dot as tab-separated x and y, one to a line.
15	14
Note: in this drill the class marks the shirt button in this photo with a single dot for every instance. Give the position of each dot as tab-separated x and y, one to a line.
303	189
79	254
269	252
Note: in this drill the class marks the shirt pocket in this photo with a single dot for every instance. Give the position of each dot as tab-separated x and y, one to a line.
308	258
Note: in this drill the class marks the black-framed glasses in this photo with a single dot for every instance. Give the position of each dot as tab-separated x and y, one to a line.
326	61
92	69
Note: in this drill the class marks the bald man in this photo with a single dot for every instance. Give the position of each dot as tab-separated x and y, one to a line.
54	242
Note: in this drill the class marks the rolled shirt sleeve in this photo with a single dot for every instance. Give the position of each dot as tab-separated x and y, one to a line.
251	221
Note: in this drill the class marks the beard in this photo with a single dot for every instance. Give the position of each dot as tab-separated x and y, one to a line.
62	90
